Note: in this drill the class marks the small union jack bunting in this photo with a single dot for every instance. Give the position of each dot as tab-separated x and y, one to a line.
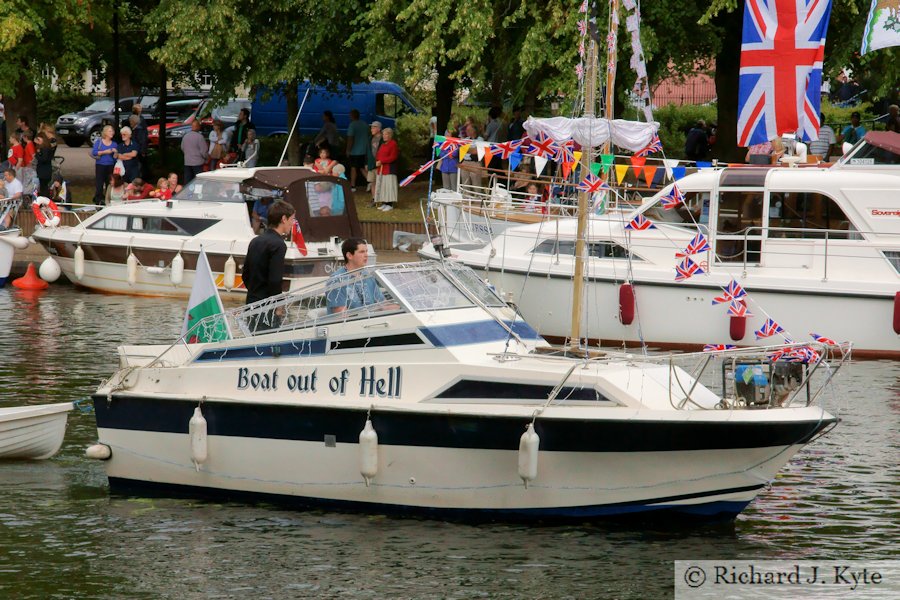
824	340
673	198
592	183
543	146
718	347
732	291
768	329
506	149
696	246
654	146
640	223
738	308
418	172
565	152
687	269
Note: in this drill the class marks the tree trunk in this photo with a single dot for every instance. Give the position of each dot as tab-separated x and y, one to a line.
728	65
293	107
443	90
24	103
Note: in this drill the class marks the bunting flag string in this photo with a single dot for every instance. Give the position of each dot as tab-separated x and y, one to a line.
823	340
640	223
654	146
673	198
418	172
543	146
695	246
649	174
718	347
769	329
592	183
738	308
733	291
687	269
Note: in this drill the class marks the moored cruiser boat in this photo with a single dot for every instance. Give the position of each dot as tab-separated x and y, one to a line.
10	237
816	250
164	237
433	398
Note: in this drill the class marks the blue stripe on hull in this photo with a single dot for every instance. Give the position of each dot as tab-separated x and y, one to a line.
716	510
2	281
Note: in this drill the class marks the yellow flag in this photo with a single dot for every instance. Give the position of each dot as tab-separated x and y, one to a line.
463	150
577	155
621	171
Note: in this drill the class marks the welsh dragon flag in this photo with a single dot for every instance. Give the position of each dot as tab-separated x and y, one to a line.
204	302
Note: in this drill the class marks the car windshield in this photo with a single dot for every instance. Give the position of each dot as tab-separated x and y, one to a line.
104	105
211	190
230	111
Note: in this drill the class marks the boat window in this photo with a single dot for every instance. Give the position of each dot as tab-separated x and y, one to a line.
594	249
476	286
326	199
153	225
694	210
211	190
868	155
811	212
426	289
739	226
893	257
111	223
192	226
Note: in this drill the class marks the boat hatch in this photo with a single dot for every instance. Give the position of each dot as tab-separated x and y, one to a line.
743	177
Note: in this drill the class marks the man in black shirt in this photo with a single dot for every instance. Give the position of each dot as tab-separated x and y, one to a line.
264	266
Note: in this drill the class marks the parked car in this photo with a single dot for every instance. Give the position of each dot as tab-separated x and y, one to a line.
376	101
85	125
227	113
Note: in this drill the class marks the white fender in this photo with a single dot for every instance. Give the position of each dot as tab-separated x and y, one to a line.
49	270
197	429
528	454
131	266
368	452
79	262
177	269
230	273
18	242
98	452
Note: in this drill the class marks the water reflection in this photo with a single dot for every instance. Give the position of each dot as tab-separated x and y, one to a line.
62	536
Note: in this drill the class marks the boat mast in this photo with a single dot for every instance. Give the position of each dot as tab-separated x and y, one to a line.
590	95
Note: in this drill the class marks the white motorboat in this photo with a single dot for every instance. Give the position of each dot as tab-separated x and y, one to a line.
435	399
33	432
150	247
817	250
10	237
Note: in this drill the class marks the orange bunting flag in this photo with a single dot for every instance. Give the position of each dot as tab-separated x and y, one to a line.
621	172
649	172
638	162
488	155
567	168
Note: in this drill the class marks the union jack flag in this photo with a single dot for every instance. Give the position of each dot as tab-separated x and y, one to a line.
795	355
673	198
654	146
418	172
640	223
768	329
592	183
448	145
824	340
542	145
565	152
687	269
507	148
732	291
738	308
782	47
695	246
718	347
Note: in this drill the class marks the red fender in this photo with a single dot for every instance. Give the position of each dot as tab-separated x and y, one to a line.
737	328
897	312
626	304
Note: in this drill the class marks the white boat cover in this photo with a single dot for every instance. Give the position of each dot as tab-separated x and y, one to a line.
594	131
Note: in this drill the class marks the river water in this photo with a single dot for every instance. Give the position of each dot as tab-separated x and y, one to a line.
63	536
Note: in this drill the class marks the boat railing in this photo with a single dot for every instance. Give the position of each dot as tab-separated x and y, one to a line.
801	234
9	208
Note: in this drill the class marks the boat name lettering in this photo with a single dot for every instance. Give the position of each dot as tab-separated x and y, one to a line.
372	383
332	267
877	212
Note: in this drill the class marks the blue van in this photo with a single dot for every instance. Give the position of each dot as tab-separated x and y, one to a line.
376	101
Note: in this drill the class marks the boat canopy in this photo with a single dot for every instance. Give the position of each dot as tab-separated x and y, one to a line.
593	131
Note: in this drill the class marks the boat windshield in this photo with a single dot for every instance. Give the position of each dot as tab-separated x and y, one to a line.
211	190
694	211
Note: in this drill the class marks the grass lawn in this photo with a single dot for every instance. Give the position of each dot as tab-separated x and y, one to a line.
407	208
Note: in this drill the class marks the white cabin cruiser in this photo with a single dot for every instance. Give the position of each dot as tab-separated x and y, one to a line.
212	211
817	250
417	402
10	237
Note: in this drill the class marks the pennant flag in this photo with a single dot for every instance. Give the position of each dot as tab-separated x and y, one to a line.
488	155
678	172
703	164
768	329
297	238
669	164
514	160
780	79
506	149
733	291
824	340
621	172
592	183
566	169
479	149
718	347
606	160
673	198
415	174
738	308
463	150
882	27
638	162
695	246
439	140
565	152
204	302
640	223
595	168
687	269
543	146
577	154
649	173
654	146
539	163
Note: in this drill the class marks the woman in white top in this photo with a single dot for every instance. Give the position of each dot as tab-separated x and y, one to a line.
218	144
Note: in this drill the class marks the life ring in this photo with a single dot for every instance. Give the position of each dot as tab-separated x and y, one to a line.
45	211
